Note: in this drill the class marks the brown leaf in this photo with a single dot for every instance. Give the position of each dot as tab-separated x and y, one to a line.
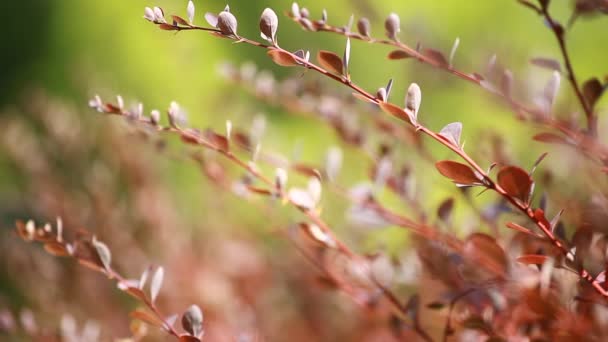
180	20
436	56
146	317
516	182
445	209
188	338
532	259
459	173
482	248
547	63
56	249
550	138
136	293
398	54
218	140
392	109
592	91
167	27
330	61
282	58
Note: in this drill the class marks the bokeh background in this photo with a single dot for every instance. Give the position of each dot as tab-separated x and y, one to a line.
60	158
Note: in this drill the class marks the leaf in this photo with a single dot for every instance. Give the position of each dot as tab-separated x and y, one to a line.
436	56
103	252
532	259
452	133
134	292
146	317
180	20
480	247
56	249
592	91
459	173
394	110
445	209
550	138
188	338
516	182
217	140
547	63
282	58
168	27
346	58
157	283
211	19
330	61
398	54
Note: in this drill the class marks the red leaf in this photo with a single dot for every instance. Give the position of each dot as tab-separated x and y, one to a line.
218	140
515	182
330	61
56	249
550	138
394	110
458	172
167	27
398	54
481	247
180	20
592	90
282	58
436	56
532	259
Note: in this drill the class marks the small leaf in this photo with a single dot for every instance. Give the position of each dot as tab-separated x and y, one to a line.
453	51
179	20
532	259
459	173
547	63
146	317
330	61
452	133
269	23
394	110
516	182
56	249
398	54
282	58
190	10
436	56
192	320
157	283
211	19
105	256
363	26
413	98
480	247
392	25
217	140
592	91
550	138
444	211
227	23
168	27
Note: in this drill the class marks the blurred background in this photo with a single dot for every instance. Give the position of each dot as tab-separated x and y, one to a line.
153	206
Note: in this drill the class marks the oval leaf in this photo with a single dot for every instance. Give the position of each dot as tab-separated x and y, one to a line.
398	54
550	138
330	61
459	173
532	259
436	56
282	58
481	247
592	90
393	110
516	182
452	133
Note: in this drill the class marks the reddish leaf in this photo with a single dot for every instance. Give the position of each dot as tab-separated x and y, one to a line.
218	140
459	173
167	27
482	248
392	109
398	54
330	61
180	20
445	209
282	58
516	182
436	56
550	138
362	98
56	249
532	259
188	338
136	293
306	170
592	90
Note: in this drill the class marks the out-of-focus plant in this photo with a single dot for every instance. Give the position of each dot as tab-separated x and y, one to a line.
531	282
